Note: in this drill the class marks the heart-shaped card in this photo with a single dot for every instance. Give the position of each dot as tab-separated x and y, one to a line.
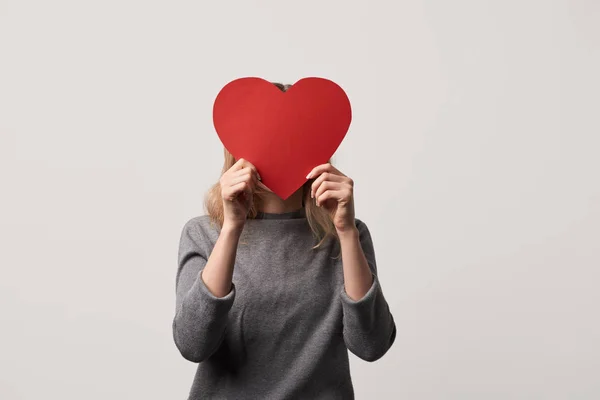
284	134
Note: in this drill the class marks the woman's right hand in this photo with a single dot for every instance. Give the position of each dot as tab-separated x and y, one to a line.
237	190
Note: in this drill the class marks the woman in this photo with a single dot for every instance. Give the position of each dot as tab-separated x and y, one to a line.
272	293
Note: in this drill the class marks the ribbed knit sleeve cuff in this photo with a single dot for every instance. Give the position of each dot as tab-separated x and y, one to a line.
200	324
369	328
361	312
211	301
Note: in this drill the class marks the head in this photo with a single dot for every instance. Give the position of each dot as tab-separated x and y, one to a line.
318	218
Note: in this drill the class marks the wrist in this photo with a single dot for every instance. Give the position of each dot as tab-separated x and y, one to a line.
347	234
232	229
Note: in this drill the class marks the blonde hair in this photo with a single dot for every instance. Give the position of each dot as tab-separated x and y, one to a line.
318	218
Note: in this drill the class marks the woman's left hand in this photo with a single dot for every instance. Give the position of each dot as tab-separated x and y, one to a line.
335	192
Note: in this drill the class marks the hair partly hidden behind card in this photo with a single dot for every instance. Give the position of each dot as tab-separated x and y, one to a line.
318	218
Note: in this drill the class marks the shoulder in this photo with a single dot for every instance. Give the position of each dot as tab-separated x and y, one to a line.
362	227
197	222
359	223
199	228
364	233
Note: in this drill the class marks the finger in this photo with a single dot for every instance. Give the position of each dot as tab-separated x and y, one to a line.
238	188
336	195
229	193
239	164
246	195
242	163
243	172
248	164
325	176
341	196
319	169
243	169
246	177
253	171
325	186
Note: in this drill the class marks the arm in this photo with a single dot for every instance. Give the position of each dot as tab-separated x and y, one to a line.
205	291
369	328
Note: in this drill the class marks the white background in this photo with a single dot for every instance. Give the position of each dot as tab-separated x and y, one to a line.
474	147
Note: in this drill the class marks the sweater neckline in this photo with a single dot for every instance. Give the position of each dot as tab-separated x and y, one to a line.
296	214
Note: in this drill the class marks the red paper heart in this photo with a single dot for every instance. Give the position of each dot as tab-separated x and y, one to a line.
284	134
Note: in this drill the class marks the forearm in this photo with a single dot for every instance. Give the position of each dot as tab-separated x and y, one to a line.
358	277
203	299
218	272
369	328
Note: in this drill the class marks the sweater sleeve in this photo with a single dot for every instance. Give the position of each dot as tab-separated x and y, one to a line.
200	317
369	328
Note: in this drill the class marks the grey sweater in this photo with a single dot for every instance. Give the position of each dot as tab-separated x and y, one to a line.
285	328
